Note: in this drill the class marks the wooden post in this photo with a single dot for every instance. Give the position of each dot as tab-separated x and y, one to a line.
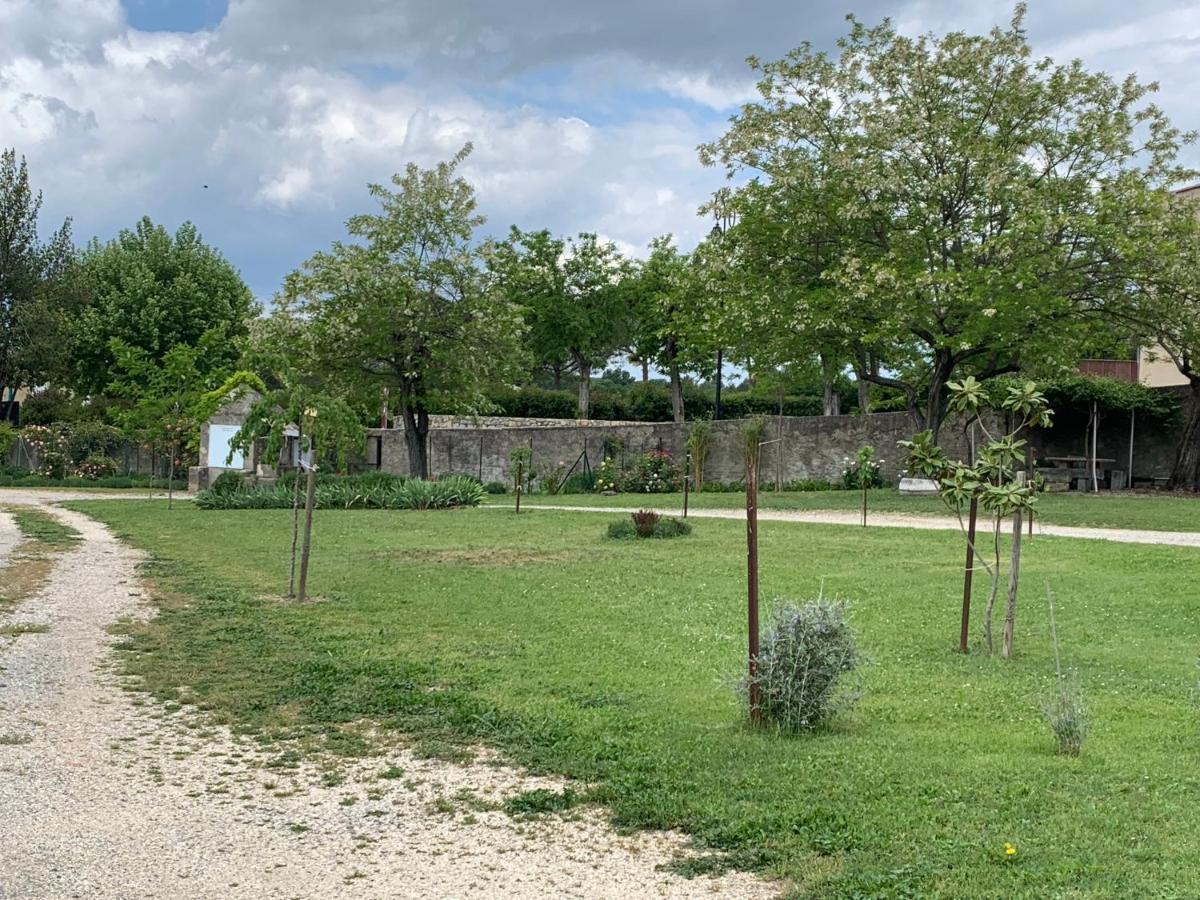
309	498
968	575
1129	473
1095	446
1014	574
752	580
687	476
519	474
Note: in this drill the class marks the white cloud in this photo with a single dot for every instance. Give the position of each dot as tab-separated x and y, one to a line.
569	106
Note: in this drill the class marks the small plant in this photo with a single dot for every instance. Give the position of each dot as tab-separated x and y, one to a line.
539	801
226	484
664	527
520	465
1067	715
1064	709
806	663
644	521
699	440
495	487
862	470
607	476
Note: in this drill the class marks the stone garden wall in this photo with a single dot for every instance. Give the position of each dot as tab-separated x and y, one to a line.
803	447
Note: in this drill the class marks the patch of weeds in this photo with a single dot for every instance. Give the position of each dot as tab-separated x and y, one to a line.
392	772
12	739
434	748
348	800
38	525
442	805
332	779
297	827
540	801
14	628
473	801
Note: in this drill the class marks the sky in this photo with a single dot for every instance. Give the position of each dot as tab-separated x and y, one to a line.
262	121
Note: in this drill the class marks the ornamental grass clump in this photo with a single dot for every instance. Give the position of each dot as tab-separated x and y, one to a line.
808	664
1067	715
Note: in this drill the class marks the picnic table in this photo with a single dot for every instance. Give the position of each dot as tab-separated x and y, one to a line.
1076	471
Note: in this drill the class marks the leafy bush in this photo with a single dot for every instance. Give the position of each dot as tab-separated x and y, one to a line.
88	439
654	472
377	490
728	487
227	483
625	529
862	468
14	477
801	485
96	466
8	440
578	483
495	487
804	659
1067	716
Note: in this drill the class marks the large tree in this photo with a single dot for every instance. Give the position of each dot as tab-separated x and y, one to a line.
575	294
38	287
151	291
407	306
658	298
950	194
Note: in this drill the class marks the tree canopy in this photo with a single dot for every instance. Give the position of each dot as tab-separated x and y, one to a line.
152	291
407	305
941	203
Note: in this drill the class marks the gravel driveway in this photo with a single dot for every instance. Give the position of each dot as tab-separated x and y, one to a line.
105	794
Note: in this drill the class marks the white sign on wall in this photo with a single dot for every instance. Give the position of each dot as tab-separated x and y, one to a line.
219	437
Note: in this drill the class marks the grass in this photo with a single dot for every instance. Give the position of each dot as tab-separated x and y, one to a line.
43	528
613	663
1163	512
12	629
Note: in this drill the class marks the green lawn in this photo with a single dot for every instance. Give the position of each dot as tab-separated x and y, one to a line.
1167	512
613	662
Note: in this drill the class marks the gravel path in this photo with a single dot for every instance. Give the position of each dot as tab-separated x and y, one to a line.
104	794
900	520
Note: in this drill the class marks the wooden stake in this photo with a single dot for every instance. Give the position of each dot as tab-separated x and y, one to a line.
968	575
309	498
519	474
1014	574
752	581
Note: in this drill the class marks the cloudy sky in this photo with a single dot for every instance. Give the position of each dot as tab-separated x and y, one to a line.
584	116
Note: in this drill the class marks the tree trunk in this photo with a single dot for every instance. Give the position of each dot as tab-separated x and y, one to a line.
416	440
585	389
676	395
864	396
935	399
645	371
832	400
557	370
1185	476
1014	576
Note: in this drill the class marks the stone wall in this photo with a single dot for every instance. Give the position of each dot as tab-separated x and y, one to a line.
813	447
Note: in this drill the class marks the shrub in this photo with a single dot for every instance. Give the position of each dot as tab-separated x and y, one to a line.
97	466
378	490
644	521
495	487
862	471
804	659
226	483
654	472
88	439
1067	716
625	529
8	439
578	483
607	476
